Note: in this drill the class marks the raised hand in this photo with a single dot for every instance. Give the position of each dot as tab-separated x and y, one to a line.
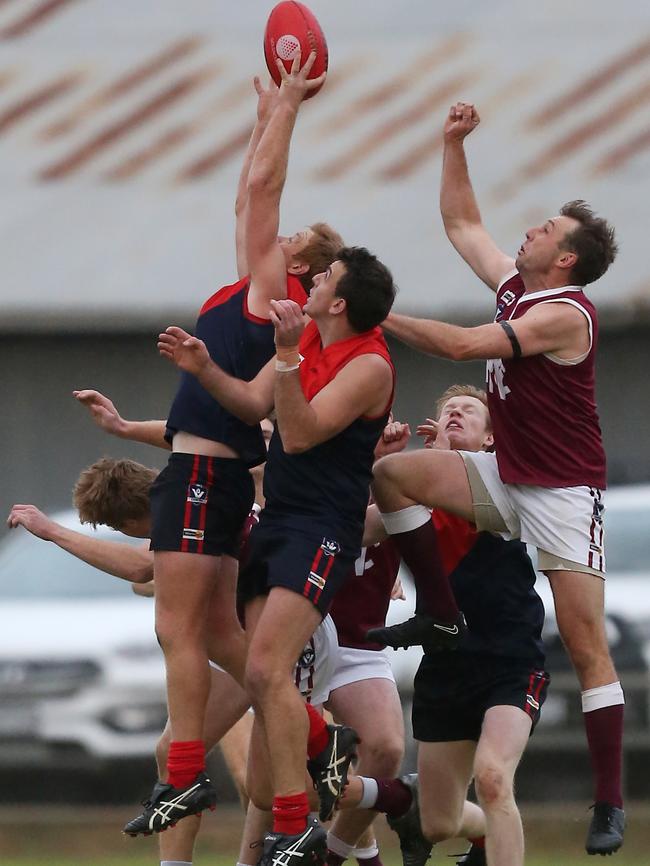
102	411
295	84
434	435
462	119
267	98
33	520
394	439
187	352
289	323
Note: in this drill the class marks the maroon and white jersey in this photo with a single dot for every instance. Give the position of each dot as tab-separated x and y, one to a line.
362	602
543	408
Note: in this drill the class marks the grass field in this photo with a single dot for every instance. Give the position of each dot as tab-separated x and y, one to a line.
90	836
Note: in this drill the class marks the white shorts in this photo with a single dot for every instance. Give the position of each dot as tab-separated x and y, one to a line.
355	665
565	524
315	666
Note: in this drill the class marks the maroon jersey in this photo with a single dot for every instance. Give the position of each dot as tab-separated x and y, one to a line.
543	408
362	602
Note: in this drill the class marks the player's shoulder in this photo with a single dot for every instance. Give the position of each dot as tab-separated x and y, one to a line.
224	294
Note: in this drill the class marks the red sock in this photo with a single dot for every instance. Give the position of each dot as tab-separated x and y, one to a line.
318	736
290	814
419	550
605	737
479	842
184	762
393	797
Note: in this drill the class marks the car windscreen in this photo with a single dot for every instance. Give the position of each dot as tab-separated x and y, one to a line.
627	539
32	568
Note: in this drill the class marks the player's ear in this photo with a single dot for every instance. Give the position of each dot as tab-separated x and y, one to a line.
488	442
298	268
567	260
338	306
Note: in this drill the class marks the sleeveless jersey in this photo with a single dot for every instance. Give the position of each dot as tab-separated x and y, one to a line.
362	602
330	482
494	584
241	344
543	409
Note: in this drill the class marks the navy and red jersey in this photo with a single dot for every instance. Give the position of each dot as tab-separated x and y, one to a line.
328	484
362	602
494	584
241	344
543	408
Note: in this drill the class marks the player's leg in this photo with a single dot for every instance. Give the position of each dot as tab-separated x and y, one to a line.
444	773
504	736
234	747
258	822
405	486
579	606
287	622
372	707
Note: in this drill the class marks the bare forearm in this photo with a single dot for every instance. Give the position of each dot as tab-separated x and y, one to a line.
426	335
457	200
147	432
295	418
121	560
242	187
235	395
268	171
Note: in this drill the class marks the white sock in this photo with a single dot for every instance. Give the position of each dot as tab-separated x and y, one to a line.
175	863
602	696
370	793
366	853
338	846
406	519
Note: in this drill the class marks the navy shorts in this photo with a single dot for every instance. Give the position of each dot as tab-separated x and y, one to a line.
199	505
453	691
313	561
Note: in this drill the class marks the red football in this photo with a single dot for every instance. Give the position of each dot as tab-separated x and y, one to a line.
292	26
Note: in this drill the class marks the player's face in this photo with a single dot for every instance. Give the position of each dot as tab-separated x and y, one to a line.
541	249
322	297
292	246
464	420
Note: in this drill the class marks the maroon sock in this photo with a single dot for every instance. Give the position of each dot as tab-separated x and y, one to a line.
333	859
605	737
419	550
393	797
318	736
185	761
290	814
479	842
370	861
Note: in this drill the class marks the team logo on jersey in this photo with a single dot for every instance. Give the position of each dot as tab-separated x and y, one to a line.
308	657
197	494
530	700
330	547
316	579
193	534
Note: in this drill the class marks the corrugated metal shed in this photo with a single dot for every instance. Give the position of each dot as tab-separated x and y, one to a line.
122	126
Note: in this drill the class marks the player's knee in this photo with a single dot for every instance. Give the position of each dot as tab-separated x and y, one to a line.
384	470
439	827
261	676
493	786
381	755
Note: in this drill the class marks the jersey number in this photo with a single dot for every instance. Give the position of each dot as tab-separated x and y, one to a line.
494	374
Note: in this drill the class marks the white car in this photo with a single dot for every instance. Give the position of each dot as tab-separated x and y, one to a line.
81	674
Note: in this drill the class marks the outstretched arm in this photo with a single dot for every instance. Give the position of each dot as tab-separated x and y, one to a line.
105	415
134	564
555	328
266	181
248	401
460	213
266	99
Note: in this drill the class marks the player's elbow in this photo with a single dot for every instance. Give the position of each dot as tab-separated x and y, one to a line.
262	180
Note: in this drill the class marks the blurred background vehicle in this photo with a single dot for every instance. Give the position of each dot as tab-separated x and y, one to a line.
81	673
